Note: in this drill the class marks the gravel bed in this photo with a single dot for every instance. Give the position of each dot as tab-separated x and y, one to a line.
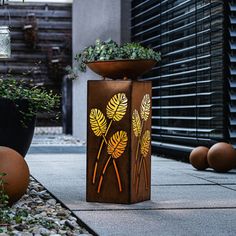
55	140
38	213
48	130
49	139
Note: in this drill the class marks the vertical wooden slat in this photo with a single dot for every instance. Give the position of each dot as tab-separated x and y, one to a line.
54	22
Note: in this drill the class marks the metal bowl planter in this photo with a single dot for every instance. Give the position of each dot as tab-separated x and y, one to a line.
121	69
16	132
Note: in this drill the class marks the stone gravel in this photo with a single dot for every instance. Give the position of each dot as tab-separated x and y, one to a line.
40	214
55	139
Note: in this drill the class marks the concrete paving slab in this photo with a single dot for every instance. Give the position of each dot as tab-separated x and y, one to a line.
184	201
172	164
231	186
190	222
65	176
167	176
195	196
214	177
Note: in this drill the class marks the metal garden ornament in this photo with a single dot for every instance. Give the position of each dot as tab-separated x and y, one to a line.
5	39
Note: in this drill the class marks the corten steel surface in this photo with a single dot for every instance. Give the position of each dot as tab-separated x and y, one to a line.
17	173
118	141
121	68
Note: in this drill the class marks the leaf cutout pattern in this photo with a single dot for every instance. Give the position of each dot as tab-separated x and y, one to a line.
117	107
98	122
136	122
145	143
145	107
117	144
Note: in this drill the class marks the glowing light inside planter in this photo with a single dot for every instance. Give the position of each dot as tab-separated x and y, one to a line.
5	42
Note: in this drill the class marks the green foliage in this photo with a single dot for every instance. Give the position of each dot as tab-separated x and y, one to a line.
4	217
136	51
3	196
110	50
38	99
72	73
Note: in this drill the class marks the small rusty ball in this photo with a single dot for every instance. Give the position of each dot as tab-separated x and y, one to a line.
222	157
17	173
198	158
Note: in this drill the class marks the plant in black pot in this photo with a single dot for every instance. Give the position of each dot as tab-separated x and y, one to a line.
19	104
110	60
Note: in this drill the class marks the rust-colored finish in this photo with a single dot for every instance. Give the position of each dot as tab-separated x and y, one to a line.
17	173
119	141
222	157
198	158
117	69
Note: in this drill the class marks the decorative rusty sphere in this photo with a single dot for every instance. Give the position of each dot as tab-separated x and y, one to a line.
222	157
198	158
17	173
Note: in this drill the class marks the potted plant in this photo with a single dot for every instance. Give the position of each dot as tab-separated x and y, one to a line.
108	59
19	104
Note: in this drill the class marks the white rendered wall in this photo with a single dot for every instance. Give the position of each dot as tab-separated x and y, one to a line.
94	19
32	1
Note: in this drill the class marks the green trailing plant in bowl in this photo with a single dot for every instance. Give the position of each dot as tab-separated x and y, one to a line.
110	50
37	99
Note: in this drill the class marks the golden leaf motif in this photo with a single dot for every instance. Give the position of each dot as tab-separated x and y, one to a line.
117	107
98	122
145	107
145	143
136	122
117	144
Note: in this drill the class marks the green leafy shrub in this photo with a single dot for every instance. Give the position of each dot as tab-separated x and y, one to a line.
38	99
110	50
4	218
3	196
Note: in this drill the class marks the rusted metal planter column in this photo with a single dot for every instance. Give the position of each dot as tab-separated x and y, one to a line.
119	141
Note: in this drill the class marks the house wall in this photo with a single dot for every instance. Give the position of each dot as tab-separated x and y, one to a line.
54	30
92	20
54	26
189	84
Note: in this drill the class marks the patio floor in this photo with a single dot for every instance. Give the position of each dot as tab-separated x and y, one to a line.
184	201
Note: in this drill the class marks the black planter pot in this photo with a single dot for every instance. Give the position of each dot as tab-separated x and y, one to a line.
13	133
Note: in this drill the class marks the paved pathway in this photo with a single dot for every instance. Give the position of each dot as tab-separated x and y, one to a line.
183	202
